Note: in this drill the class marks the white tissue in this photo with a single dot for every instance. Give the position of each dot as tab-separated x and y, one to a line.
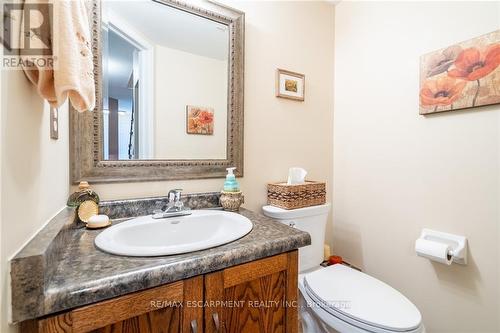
296	176
436	251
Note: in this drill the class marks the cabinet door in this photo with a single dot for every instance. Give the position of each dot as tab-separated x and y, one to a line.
260	296
156	310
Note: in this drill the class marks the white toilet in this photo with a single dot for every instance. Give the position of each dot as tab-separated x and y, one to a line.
338	298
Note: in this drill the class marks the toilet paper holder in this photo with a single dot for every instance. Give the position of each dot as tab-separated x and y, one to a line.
457	243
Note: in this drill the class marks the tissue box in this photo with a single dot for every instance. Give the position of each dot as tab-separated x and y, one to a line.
285	196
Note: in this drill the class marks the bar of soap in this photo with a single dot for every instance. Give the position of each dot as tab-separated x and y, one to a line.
98	221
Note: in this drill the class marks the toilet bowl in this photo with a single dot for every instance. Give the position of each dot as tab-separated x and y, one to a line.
338	298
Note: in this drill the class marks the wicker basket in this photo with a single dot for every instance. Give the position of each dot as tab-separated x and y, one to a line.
296	196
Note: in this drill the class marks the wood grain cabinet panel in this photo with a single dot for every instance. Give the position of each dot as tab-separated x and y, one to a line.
259	305
156	310
256	297
165	320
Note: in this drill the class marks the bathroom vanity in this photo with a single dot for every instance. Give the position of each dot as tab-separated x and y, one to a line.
62	283
255	296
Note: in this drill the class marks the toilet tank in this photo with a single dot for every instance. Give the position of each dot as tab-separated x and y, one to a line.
309	219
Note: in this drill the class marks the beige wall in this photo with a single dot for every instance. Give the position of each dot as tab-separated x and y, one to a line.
181	79
279	133
34	169
396	172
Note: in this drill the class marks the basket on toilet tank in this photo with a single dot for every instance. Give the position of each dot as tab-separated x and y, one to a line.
310	193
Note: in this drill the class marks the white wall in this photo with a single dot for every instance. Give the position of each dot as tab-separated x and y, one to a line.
182	79
396	172
279	133
34	171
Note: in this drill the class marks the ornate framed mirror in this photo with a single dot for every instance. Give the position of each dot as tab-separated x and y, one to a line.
169	93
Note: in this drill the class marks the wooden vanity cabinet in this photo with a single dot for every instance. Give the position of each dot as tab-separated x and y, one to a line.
258	296
153	310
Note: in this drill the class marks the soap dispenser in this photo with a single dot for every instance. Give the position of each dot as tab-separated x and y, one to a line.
231	184
231	197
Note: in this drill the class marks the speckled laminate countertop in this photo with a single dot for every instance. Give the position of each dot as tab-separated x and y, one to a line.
62	269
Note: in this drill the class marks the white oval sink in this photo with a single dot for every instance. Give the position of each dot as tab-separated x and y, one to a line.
145	236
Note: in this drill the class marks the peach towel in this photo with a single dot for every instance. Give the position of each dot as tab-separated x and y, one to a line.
70	46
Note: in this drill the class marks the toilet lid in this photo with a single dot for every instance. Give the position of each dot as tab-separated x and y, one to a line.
361	298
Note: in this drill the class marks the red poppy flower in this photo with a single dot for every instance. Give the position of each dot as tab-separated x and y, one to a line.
472	64
442	91
206	117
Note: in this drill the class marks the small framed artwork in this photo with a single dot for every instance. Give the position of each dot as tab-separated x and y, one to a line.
199	120
290	85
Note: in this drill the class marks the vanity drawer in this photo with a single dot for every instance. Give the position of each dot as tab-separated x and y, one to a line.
154	310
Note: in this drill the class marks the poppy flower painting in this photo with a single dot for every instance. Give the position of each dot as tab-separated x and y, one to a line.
199	120
461	76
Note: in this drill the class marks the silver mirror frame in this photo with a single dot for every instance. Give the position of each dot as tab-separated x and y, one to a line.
86	129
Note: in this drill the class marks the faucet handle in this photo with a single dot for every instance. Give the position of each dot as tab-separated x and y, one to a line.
174	195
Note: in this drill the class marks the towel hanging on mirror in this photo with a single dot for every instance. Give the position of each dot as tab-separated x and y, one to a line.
67	40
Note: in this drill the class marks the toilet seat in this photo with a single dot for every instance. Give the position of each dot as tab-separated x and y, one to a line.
339	293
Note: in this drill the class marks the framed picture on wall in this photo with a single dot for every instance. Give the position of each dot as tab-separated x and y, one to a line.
460	76
199	120
290	85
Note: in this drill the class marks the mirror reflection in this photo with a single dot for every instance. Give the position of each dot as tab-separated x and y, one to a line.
165	74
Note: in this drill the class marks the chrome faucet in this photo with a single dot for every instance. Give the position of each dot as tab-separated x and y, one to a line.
174	200
175	207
